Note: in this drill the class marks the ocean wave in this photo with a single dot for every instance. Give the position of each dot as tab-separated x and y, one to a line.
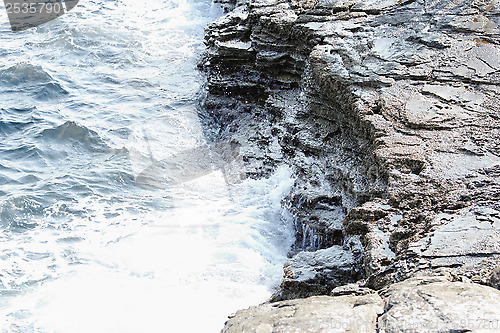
9	127
23	153
25	77
20	110
23	73
50	91
21	212
71	132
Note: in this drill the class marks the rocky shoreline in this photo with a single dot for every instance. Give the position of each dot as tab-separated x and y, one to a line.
389	114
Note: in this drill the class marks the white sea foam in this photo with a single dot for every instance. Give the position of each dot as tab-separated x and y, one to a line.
185	269
84	247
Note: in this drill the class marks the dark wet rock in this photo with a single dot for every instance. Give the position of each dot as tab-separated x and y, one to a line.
317	273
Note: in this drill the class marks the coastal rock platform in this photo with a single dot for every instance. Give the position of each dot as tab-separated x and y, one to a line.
389	114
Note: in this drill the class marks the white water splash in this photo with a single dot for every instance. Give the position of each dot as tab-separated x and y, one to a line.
83	248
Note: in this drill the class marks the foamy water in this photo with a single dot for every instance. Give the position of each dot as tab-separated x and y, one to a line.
88	102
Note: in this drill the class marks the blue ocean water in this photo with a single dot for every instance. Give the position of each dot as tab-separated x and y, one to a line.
86	102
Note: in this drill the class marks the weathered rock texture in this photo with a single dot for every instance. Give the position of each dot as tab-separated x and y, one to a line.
420	304
314	314
318	272
389	113
434	304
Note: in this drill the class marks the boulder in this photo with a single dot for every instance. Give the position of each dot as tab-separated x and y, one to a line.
314	314
434	304
318	272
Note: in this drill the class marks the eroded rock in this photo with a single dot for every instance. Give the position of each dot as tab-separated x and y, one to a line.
315	314
425	303
388	112
434	304
318	272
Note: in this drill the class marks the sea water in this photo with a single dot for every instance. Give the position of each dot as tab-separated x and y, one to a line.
111	218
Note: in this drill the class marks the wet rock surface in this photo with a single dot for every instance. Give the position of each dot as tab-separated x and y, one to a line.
318	272
389	114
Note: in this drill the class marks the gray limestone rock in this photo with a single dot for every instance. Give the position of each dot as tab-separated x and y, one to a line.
425	303
434	304
323	314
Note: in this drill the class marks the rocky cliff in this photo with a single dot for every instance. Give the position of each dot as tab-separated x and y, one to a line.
389	113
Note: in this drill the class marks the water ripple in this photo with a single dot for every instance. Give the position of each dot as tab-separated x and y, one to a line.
82	246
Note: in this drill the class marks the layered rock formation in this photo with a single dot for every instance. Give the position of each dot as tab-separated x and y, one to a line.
389	113
419	304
